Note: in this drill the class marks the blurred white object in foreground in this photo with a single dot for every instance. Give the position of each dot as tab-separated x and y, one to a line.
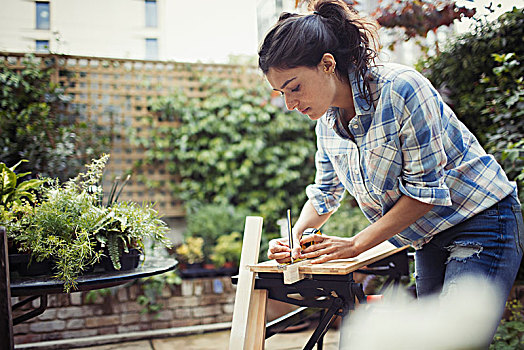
465	318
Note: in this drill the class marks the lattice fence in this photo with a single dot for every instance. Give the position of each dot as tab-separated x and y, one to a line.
114	94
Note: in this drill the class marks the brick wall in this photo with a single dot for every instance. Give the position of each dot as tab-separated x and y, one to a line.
195	302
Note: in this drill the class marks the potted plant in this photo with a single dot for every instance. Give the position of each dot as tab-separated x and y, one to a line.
72	227
226	252
16	197
190	254
212	221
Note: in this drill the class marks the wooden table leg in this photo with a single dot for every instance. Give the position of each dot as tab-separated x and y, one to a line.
6	316
249	312
256	326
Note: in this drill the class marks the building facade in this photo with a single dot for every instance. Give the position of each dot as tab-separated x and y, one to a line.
206	30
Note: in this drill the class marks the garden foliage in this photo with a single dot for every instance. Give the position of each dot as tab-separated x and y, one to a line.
468	67
35	127
233	147
70	226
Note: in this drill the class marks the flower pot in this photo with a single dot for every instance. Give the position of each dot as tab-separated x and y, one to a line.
229	264
128	261
22	264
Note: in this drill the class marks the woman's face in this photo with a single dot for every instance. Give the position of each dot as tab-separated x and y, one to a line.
311	91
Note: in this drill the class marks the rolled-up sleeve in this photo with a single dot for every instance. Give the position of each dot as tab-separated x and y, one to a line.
419	109
325	194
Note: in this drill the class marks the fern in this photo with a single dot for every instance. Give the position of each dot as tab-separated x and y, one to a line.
114	251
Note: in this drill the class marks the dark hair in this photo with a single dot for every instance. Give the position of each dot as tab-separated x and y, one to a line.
335	28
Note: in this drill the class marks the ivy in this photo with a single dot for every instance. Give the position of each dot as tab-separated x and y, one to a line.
234	146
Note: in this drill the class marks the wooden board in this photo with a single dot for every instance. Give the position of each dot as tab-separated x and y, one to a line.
249	310
336	267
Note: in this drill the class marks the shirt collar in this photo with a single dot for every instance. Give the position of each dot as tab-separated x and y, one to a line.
363	109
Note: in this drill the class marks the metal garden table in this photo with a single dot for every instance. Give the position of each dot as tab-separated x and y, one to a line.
40	287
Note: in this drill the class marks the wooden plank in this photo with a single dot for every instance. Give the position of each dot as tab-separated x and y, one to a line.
245	298
256	327
6	317
336	267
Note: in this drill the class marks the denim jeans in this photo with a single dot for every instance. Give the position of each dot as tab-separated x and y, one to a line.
488	245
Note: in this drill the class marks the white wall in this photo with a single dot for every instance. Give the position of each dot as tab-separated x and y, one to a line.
203	30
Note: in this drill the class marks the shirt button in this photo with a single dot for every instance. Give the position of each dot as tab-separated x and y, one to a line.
356	171
355	126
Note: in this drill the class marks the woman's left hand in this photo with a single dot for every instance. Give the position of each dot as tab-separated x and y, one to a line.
328	248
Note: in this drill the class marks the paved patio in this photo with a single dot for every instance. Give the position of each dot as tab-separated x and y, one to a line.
220	340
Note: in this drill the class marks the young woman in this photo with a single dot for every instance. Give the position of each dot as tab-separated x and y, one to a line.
385	135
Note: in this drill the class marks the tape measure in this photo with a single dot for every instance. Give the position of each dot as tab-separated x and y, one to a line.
307	232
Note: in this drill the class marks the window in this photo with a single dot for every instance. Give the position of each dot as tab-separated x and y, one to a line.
151	13
151	48
42	46
42	15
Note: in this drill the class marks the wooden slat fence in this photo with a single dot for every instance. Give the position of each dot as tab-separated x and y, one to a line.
114	93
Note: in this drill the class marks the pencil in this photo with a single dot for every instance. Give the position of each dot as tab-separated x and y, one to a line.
289	234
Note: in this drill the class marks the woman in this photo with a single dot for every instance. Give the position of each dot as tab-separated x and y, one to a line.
385	135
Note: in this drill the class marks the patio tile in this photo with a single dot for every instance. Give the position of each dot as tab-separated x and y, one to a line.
220	340
134	345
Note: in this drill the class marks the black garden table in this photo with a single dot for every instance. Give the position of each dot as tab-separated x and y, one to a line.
41	286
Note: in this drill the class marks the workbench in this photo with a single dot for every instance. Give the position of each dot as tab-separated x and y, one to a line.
327	288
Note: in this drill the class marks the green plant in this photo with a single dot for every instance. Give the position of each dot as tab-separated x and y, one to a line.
233	147
212	221
510	332
12	190
35	125
463	67
505	107
72	228
227	249
152	287
513	157
191	251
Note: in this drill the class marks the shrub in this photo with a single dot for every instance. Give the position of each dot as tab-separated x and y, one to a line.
210	222
232	147
35	126
462	66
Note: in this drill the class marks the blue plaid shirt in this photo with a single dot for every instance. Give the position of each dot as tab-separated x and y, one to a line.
409	142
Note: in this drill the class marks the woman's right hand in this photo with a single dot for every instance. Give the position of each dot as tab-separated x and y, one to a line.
280	251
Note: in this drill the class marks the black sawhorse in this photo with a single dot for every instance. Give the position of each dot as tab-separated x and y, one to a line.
327	295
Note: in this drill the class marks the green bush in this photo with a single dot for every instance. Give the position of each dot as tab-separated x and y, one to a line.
212	221
510	332
232	147
36	128
505	108
468	60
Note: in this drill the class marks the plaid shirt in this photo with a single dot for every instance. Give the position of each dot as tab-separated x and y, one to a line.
409	142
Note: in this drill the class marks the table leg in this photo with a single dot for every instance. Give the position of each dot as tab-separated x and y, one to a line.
256	327
6	316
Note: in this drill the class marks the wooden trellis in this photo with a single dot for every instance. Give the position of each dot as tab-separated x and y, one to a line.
114	93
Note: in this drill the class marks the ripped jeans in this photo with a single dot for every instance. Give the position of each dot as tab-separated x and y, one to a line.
489	245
